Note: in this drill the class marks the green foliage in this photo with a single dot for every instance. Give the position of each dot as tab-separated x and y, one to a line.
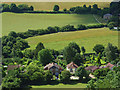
81	27
81	72
75	46
111	80
111	25
69	53
28	53
78	59
39	47
13	7
56	8
83	49
45	56
111	52
11	82
101	72
34	72
48	76
65	76
98	48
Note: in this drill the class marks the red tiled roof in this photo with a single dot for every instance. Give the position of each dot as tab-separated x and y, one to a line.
109	65
48	66
72	65
12	67
92	68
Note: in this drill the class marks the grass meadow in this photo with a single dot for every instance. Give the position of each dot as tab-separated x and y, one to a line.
87	38
78	85
22	22
49	5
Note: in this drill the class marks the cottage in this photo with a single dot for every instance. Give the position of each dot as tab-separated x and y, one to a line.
72	67
91	68
109	65
107	16
54	68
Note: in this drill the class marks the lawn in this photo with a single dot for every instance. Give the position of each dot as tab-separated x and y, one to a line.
87	38
22	22
60	85
50	5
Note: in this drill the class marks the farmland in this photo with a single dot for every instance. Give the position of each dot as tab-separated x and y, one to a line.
49	5
22	22
87	38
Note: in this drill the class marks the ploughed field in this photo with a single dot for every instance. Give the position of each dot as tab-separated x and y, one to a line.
49	5
21	22
87	38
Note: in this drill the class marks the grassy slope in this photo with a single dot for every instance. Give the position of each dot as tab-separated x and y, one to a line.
78	85
50	5
23	22
87	38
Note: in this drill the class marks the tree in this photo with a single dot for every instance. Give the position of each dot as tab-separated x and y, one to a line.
111	25
64	9
95	6
65	76
98	48
83	50
31	8
39	47
78	59
13	7
34	72
75	46
28	53
45	56
48	76
69	53
23	7
101	72
56	8
81	27
11	82
81	72
12	33
110	52
5	8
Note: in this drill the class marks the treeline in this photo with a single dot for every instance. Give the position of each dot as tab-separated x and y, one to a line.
55	29
14	8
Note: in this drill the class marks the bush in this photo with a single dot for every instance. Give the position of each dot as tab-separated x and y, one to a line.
81	27
65	76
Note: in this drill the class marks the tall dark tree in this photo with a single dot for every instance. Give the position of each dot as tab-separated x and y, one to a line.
111	52
69	53
45	56
56	8
13	7
83	50
39	47
98	48
75	46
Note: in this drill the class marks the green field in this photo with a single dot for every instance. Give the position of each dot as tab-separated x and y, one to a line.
62	5
87	38
78	85
22	22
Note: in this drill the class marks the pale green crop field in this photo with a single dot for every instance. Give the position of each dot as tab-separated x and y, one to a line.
87	38
22	22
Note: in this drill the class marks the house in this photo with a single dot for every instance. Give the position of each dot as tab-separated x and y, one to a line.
54	68
72	67
91	68
109	65
12	67
107	16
